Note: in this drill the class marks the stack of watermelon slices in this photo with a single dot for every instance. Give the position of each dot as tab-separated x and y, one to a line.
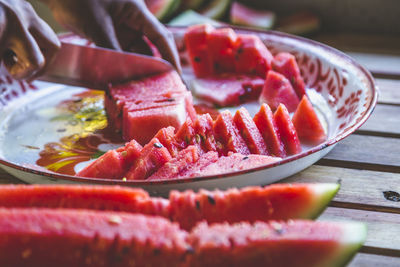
239	67
115	226
203	147
142	107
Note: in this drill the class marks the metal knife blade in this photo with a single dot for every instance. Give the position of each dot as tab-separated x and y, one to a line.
96	68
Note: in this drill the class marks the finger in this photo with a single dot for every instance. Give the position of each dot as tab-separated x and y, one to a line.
26	58
101	31
161	38
47	41
132	41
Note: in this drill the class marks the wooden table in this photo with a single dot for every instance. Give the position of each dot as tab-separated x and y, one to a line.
367	164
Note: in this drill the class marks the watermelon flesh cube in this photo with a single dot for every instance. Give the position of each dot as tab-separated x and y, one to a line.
252	56
307	124
278	90
228	89
130	152
110	165
203	128
154	155
220	46
287	131
285	63
264	120
166	136
249	132
228	135
245	16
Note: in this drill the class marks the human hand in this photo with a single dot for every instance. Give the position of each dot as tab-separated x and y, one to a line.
27	43
116	24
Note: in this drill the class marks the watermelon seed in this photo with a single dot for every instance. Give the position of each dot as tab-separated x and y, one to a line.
156	251
392	196
197	137
211	200
158	145
26	253
124	153
197	205
244	158
171	99
187	139
114	219
190	250
197	59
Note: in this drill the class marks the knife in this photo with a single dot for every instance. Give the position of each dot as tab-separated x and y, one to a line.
97	68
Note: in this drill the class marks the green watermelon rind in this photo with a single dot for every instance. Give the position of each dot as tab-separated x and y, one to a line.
323	194
263	19
169	7
191	4
190	17
216	9
354	235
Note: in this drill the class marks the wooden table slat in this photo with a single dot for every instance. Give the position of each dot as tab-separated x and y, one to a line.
363	259
389	91
378	63
384	121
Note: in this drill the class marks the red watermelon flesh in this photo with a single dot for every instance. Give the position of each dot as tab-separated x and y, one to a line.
264	121
279	244
228	135
252	56
51	237
278	202
228	89
203	127
142	125
166	136
186	136
196	44
249	132
277	89
220	46
286	131
237	162
154	155
177	165
285	63
307	124
195	170
130	152
110	165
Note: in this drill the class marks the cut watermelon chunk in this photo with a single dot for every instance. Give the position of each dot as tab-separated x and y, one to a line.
196	44
307	124
237	162
295	243
264	121
228	135
203	128
221	45
154	155
252	56
110	165
279	202
177	165
286	131
88	238
186	136
249	132
166	136
195	170
228	89
245	16
278	90
130	152
285	63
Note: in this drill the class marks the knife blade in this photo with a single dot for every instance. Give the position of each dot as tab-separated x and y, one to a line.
97	68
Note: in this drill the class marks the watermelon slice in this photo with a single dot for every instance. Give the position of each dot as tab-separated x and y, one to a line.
278	90
203	128
249	132
286	131
279	202
246	16
51	237
265	123
220	46
228	89
228	135
162	9
237	162
252	56
307	124
285	63
166	136
216	9
154	155
186	136
196	44
195	170
177	165
279	244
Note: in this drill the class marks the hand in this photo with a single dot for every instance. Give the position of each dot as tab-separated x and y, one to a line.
116	24
27	43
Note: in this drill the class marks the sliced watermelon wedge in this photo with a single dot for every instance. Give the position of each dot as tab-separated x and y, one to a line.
307	124
228	89
246	16
286	131
250	133
166	136
221	44
278	90
264	120
296	243
203	127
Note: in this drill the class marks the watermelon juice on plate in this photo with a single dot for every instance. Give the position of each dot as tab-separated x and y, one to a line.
49	131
